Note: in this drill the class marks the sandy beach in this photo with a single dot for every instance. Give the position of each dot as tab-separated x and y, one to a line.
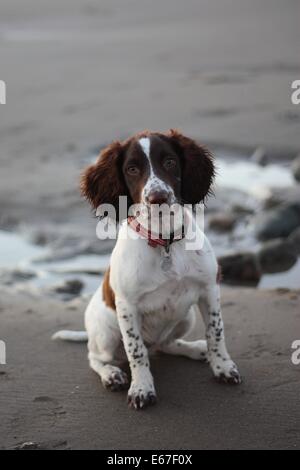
78	75
50	397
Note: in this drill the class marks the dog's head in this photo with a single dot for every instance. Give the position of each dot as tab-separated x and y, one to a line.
150	168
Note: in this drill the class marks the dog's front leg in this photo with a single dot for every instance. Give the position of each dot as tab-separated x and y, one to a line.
142	391
223	367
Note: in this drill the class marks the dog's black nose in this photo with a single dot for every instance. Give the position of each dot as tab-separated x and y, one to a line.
158	197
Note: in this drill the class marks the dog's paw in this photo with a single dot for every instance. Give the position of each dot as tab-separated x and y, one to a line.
115	379
226	372
139	396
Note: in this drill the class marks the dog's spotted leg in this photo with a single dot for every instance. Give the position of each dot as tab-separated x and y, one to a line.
223	367
142	391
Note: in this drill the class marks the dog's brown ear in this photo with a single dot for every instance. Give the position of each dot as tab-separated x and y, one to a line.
103	183
198	168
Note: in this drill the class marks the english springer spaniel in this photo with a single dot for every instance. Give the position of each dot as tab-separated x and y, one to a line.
155	286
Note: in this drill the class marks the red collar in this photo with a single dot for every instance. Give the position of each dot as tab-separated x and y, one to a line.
153	241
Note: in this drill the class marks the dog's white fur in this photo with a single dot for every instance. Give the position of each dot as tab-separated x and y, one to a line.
158	308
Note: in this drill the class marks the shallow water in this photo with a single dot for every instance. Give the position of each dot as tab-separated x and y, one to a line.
17	253
252	178
289	279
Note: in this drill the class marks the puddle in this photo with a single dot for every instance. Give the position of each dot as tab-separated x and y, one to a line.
20	256
91	264
17	253
289	279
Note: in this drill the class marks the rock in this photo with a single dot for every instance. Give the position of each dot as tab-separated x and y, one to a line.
10	277
52	445
27	446
240	210
277	223
40	239
294	240
282	290
62	253
72	287
222	222
44	234
240	269
296	168
230	198
279	196
276	256
260	157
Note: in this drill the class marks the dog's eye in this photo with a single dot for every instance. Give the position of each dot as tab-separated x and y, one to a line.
170	163
132	170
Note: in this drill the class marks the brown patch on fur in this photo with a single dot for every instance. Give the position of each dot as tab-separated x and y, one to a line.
198	168
107	292
103	182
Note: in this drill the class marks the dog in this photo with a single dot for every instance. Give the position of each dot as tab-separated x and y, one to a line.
155	288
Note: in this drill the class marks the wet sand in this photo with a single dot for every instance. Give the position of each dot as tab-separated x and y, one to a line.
51	398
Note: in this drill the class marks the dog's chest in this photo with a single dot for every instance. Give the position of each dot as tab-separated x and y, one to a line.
173	288
163	296
171	293
163	308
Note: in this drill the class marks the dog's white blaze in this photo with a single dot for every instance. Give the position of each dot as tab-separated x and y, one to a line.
153	181
145	144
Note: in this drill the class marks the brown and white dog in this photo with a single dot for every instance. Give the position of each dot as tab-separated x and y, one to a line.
141	302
